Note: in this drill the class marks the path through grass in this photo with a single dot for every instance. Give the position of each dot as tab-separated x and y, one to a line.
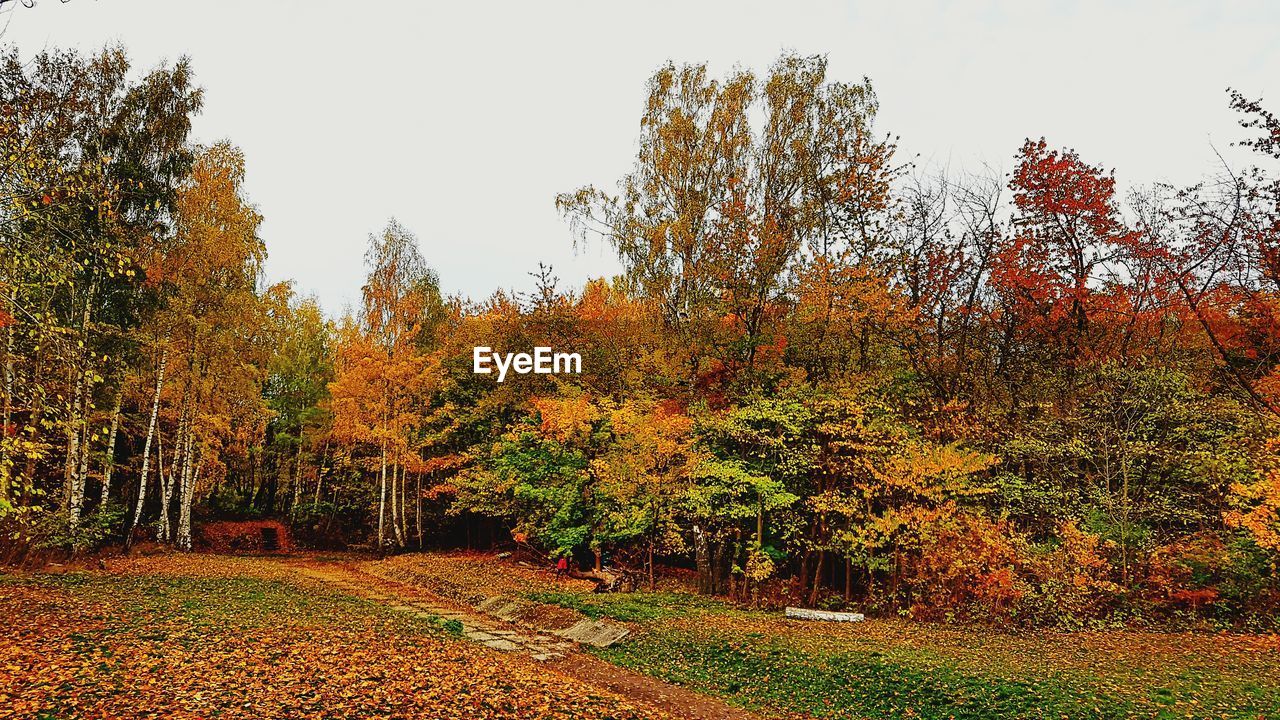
898	669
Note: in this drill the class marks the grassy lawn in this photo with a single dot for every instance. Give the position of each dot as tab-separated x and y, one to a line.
205	637
899	669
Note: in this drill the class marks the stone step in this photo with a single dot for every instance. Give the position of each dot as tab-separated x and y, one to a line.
599	633
501	644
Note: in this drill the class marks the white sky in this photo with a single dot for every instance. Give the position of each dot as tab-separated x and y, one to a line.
464	119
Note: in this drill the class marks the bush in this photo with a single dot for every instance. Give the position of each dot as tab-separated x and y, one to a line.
1213	577
1069	580
967	567
45	529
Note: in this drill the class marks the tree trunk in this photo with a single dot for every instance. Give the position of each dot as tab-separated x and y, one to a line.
77	424
166	480
816	590
652	583
186	493
297	479
324	455
395	506
404	523
382	499
73	492
6	418
10	329
146	450
109	461
702	558
709	555
82	471
417	503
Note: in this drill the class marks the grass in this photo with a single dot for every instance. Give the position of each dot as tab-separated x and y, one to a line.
636	607
835	677
231	617
900	669
766	673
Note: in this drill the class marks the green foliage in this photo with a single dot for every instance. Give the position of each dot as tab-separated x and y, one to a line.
549	491
50	530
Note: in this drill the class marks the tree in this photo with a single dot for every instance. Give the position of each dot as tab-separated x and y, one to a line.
718	207
1066	233
91	161
214	323
380	365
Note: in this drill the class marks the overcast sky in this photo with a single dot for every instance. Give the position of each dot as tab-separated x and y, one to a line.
464	119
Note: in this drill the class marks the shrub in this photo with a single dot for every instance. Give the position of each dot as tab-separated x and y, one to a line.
1069	580
968	567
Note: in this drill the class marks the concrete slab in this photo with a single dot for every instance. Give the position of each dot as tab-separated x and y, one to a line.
795	613
598	633
500	644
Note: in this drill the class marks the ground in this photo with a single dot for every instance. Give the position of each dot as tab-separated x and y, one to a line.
199	636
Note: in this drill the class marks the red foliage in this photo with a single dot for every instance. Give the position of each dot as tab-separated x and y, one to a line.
1052	273
249	536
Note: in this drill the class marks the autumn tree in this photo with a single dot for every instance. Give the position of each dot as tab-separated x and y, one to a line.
719	204
214	332
380	365
92	159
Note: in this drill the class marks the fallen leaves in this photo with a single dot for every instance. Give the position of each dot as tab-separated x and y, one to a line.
201	636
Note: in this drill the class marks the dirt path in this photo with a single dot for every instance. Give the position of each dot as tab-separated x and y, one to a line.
558	655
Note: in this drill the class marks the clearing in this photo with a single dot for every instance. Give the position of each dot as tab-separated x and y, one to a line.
199	636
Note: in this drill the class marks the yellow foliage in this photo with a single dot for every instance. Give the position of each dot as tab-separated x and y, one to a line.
1257	504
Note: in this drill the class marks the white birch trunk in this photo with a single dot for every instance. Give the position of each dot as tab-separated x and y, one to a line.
324	454
186	494
109	462
297	480
166	484
82	469
7	416
78	426
70	462
382	498
395	508
8	356
146	448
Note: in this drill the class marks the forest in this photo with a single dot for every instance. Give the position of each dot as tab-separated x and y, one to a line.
827	375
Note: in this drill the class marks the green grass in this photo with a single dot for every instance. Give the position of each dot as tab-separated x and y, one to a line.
630	607
763	673
855	677
771	673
